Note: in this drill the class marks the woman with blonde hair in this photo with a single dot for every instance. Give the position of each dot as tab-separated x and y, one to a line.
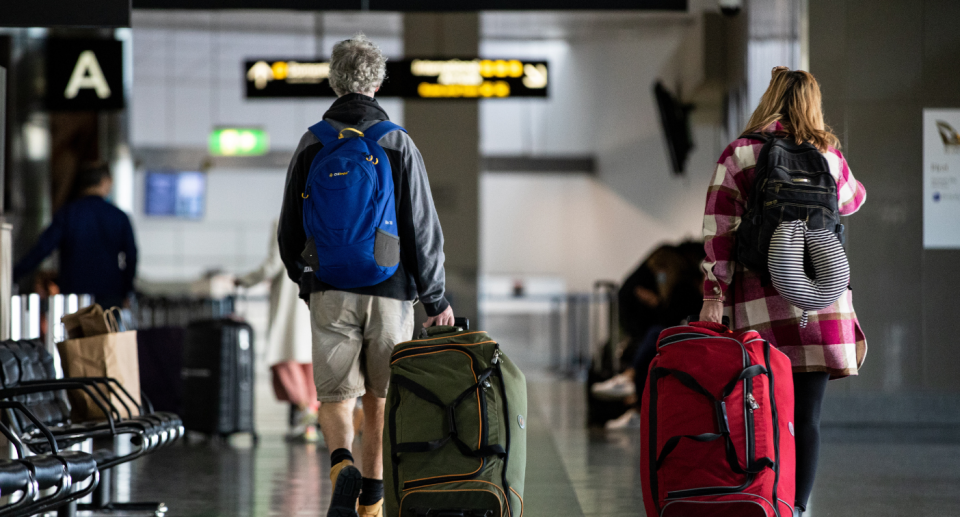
829	344
289	350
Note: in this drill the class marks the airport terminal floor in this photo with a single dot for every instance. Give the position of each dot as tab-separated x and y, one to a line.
571	471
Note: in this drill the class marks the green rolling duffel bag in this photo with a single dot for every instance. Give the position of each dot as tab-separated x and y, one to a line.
454	439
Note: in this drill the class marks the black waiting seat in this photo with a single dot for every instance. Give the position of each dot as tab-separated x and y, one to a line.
16	477
42	424
32	366
66	471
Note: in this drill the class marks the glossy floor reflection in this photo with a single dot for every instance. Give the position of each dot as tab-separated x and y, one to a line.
571	471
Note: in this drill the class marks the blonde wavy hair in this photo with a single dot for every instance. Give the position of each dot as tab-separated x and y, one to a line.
793	99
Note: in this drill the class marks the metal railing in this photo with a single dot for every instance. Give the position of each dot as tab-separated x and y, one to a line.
179	311
581	327
27	321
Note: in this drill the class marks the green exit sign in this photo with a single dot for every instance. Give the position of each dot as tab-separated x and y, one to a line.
239	141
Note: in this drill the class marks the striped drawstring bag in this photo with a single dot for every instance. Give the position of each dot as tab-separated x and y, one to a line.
785	263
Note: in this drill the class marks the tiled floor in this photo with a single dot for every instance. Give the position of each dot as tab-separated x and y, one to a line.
570	471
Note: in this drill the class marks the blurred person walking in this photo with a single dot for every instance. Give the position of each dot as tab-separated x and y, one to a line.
356	326
98	251
289	351
832	345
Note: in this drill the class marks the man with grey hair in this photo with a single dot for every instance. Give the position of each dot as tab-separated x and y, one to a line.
356	327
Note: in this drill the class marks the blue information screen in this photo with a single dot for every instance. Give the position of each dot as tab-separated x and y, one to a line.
176	194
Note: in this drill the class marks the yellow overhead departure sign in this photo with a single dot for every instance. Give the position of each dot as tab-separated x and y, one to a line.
414	78
293	72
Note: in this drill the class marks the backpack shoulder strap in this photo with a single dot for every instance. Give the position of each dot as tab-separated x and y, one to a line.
325	132
763	137
381	129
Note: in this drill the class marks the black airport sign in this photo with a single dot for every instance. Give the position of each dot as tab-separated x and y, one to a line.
84	74
409	78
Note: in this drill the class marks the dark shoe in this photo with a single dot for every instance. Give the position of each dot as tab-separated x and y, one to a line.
346	489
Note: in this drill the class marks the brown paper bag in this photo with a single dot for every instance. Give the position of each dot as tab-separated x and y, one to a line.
106	355
73	323
91	321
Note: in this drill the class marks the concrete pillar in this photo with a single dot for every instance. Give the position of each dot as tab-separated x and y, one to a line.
447	133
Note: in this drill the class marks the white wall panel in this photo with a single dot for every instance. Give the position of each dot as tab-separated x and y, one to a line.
572	227
154	241
149	103
192	119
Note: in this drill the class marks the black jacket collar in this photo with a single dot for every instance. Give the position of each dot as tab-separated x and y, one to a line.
354	109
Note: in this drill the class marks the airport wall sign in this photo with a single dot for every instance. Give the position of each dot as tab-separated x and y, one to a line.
239	141
470	78
84	74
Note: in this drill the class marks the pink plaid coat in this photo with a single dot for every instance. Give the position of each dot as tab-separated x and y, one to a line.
832	340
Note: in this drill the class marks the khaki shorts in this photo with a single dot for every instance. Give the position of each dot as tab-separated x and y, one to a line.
353	337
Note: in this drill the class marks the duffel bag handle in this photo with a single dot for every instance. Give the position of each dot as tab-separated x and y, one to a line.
709	325
436	330
460	324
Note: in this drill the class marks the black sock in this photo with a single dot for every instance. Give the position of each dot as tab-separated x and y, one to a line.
371	491
339	455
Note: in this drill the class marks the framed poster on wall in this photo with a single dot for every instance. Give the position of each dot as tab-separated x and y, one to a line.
941	178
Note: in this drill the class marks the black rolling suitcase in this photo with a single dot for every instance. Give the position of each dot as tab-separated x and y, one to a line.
218	378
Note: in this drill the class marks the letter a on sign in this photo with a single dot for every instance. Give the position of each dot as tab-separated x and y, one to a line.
87	74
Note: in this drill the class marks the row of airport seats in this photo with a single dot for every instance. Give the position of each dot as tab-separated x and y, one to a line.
48	472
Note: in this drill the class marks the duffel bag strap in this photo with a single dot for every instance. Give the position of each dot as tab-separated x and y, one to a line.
754	465
672	443
686	379
747	373
453	432
731	452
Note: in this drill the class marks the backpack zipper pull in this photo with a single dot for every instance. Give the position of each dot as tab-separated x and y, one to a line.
752	402
496	356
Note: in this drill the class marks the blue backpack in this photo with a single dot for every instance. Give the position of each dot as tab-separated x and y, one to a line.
349	212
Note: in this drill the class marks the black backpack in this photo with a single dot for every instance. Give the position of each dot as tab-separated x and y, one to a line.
793	182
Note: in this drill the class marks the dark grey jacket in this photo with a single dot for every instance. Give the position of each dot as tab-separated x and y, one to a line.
421	271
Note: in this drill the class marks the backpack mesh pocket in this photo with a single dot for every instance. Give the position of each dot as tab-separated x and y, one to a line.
386	249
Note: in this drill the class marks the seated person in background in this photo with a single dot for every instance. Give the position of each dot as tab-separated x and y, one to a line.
637	301
98	252
678	294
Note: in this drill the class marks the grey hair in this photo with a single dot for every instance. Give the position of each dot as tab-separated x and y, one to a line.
357	66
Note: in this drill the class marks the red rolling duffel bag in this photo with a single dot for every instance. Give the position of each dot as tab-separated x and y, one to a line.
717	432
